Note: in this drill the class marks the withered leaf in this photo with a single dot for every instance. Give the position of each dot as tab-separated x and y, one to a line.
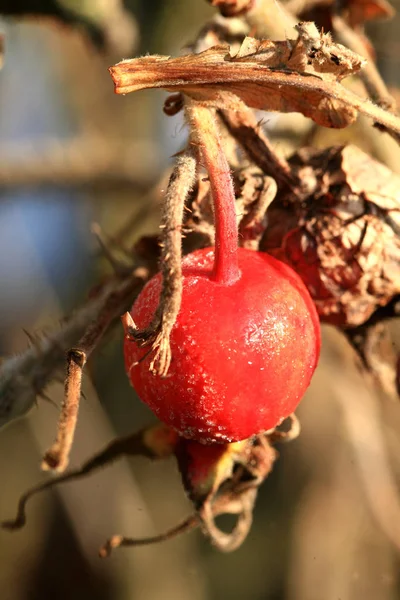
299	75
344	236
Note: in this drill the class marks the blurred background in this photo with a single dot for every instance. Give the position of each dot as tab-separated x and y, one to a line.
72	154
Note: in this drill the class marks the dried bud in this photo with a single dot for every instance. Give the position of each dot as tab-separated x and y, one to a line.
343	238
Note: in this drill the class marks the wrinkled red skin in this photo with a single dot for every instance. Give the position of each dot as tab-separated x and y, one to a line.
242	354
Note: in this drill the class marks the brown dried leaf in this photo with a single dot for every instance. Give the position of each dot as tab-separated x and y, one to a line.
343	239
300	75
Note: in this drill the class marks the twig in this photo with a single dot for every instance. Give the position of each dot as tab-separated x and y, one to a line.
140	443
117	541
247	131
369	75
253	224
158	332
56	458
242	505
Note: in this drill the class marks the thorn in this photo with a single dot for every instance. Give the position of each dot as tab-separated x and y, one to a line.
128	324
118	266
33	338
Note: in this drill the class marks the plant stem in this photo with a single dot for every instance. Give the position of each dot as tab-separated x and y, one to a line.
204	134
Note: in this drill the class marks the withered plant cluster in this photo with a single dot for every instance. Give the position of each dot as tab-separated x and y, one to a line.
332	214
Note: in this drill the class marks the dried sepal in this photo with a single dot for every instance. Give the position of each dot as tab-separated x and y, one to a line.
224	479
205	467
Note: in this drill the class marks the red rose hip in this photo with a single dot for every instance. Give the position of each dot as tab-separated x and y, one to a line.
243	351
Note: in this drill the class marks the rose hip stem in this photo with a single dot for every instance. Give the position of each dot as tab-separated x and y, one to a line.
204	134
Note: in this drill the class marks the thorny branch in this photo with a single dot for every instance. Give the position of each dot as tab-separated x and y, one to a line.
87	162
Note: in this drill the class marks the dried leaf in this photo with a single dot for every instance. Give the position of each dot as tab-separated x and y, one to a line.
264	74
343	238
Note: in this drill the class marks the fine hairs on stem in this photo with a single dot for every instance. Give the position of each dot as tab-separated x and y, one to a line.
206	143
204	134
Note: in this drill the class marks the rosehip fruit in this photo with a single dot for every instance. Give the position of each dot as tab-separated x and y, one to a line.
243	353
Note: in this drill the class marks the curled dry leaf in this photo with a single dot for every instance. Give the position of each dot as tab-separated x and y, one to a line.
265	75
343	238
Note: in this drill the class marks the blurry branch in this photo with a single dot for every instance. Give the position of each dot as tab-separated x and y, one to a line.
374	346
120	28
56	11
90	162
1	50
369	75
110	27
364	425
25	376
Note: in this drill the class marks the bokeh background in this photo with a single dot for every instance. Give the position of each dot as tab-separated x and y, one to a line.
327	521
